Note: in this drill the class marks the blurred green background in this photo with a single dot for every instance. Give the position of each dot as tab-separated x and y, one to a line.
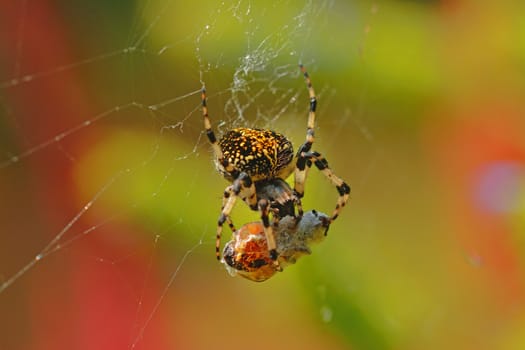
109	198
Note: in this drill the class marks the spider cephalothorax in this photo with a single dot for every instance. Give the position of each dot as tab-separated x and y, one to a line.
257	161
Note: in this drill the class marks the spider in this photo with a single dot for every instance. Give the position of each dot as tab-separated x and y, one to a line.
257	161
247	253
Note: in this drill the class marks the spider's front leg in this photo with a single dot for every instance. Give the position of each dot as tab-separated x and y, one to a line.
242	187
304	162
264	208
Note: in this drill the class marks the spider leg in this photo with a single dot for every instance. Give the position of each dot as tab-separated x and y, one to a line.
311	113
302	166
243	188
304	162
211	136
275	216
225	198
264	208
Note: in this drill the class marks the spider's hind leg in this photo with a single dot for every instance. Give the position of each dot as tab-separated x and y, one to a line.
217	151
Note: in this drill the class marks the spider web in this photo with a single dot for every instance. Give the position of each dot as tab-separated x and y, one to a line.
109	196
